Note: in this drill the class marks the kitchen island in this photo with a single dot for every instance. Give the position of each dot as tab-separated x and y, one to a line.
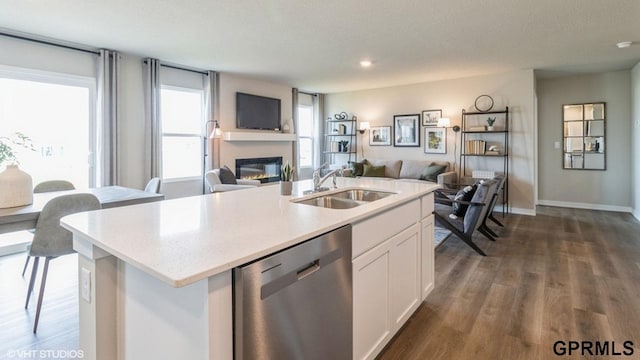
155	279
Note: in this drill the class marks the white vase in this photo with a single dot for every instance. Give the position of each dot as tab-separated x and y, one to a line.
16	187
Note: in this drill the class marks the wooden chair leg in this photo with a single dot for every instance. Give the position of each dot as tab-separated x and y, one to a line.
26	263
34	272
39	306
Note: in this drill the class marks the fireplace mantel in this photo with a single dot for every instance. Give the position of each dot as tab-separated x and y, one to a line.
257	136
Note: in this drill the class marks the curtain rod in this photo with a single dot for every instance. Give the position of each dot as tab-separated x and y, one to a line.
185	69
306	93
45	42
201	72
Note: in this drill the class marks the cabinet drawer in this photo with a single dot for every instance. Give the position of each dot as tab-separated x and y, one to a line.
374	230
427	205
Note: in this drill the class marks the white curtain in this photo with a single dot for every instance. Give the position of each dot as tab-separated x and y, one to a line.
153	125
318	120
108	113
212	149
294	145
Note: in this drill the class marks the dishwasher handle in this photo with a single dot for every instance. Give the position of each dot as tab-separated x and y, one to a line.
310	269
285	280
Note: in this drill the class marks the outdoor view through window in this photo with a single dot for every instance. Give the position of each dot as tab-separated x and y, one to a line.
58	118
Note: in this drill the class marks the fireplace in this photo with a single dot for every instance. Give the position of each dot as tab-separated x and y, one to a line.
264	169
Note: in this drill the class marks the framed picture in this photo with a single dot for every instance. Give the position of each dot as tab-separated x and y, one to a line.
435	140
406	130
430	117
380	136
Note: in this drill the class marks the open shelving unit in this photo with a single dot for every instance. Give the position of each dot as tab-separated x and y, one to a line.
475	153
334	134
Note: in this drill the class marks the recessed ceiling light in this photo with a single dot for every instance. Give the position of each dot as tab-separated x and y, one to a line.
624	44
366	63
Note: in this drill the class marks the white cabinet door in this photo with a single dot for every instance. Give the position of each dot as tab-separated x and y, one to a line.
404	282
427	263
371	325
386	291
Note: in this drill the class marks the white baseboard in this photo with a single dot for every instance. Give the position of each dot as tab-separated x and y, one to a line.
587	206
512	210
636	214
14	242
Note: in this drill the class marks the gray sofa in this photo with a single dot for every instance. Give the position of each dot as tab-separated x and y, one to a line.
411	170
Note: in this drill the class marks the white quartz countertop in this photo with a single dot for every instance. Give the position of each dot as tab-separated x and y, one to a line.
185	240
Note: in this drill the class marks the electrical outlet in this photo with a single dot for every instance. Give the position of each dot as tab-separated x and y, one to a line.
556	145
85	284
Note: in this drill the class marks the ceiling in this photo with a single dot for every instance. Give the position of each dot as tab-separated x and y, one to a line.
316	45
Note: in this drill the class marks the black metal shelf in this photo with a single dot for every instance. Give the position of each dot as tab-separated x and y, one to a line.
339	121
339	152
339	134
467	162
484	132
486	155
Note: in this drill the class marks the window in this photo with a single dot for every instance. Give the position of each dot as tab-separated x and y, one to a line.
181	112
57	112
305	136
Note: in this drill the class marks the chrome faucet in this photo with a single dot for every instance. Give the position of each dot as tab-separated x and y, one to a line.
317	180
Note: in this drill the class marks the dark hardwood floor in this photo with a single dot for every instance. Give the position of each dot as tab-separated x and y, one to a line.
565	274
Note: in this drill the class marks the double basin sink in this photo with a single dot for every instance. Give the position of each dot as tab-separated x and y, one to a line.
345	199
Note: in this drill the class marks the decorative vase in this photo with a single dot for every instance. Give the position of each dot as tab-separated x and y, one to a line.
16	187
489	128
286	187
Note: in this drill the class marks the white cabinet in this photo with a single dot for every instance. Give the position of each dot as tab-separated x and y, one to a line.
392	272
426	248
427	276
371	322
405	275
386	291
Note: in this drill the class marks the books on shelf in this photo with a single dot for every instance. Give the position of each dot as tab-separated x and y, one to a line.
475	147
477	128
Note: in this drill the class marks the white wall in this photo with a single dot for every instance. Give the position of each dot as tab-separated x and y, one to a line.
607	190
514	89
30	55
635	153
232	150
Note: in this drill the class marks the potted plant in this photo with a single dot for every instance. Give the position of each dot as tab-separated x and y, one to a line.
490	122
16	186
286	175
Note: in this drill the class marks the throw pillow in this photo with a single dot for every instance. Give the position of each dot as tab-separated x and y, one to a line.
226	176
357	168
373	171
466	194
430	173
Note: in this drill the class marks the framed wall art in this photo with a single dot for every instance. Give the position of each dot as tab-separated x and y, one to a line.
435	140
380	136
430	117
406	130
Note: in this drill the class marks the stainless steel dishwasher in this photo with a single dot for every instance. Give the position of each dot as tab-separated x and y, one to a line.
297	303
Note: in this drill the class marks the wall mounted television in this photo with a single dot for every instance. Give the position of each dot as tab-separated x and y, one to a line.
257	112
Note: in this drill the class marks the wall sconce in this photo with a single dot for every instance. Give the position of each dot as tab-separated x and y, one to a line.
446	123
364	126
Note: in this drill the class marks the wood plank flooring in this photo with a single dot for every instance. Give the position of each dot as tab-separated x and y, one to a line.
566	274
58	326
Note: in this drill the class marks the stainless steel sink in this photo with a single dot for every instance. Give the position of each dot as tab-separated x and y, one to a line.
330	202
362	194
346	199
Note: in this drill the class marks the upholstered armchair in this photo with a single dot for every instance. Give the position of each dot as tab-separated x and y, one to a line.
215	184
